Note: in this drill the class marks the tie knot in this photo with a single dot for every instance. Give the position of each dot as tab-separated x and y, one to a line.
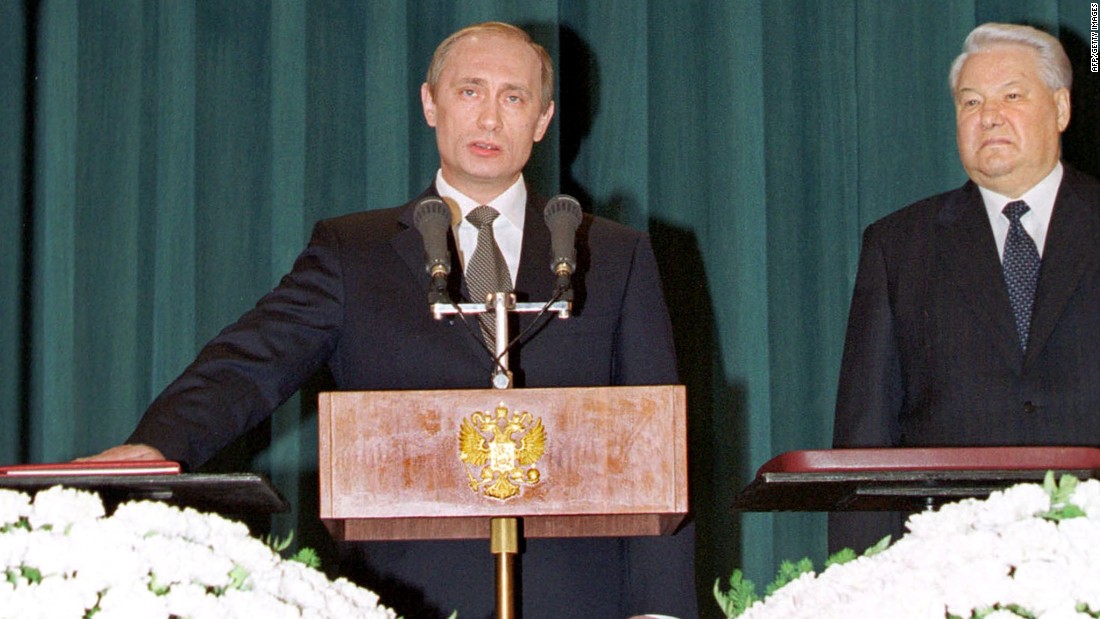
1015	210
482	216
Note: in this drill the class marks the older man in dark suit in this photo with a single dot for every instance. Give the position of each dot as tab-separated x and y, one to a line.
976	313
356	302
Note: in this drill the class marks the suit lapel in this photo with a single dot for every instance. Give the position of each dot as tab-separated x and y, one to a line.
970	260
1070	251
534	282
410	246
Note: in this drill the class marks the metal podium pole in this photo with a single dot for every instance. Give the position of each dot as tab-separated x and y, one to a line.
503	532
504	535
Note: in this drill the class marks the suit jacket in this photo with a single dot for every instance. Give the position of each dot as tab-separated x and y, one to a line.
356	300
932	356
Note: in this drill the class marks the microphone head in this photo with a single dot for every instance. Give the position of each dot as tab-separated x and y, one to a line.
432	218
563	215
429	211
562	208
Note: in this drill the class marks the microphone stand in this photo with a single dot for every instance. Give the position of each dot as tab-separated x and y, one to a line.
501	303
504	533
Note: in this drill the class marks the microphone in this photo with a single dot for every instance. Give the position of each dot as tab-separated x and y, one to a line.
563	216
432	219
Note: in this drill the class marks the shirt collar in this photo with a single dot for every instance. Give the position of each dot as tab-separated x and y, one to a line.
512	204
1040	198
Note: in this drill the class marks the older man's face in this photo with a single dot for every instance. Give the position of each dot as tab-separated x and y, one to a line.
1009	121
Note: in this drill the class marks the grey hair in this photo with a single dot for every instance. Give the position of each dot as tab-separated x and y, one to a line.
1054	67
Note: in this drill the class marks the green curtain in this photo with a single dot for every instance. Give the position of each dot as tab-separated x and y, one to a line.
162	162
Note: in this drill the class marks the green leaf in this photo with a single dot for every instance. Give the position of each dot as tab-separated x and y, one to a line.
22	523
741	594
1061	493
237	576
309	557
879	546
32	574
1084	608
278	545
840	557
157	588
789	571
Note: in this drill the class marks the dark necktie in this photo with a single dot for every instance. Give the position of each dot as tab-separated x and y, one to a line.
486	272
1021	268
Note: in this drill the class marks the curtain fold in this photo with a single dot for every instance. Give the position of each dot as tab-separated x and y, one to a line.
162	163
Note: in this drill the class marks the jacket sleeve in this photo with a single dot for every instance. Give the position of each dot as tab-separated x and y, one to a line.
241	376
870	392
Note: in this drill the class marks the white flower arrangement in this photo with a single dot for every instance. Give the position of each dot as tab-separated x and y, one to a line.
1029	551
62	557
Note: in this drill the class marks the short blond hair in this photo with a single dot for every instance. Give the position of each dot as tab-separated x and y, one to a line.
439	58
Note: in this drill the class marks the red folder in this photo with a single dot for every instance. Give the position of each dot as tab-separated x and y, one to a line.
116	467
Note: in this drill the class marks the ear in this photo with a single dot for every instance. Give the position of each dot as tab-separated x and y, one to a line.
1061	101
544	122
428	103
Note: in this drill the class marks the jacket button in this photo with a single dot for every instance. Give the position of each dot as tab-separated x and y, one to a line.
1030	408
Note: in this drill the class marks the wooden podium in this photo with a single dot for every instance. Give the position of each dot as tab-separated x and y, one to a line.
567	462
613	462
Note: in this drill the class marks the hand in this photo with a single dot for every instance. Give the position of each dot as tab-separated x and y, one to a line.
125	452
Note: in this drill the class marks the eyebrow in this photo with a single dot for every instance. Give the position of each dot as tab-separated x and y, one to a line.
1008	84
477	81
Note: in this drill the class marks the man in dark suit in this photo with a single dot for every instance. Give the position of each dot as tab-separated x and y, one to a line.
975	318
356	302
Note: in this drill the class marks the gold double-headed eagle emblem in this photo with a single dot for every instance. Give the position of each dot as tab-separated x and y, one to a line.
500	450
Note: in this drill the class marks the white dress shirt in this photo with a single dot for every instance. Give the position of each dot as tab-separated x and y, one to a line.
508	228
1040	200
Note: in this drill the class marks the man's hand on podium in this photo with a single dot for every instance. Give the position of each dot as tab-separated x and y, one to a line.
125	452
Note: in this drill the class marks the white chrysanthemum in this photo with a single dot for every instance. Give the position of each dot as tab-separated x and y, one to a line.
174	560
1014	504
248	605
144	517
302	586
248	552
1087	496
102	552
968	556
50	599
59	507
14	506
191	600
127	600
152	560
47	551
13	546
363	599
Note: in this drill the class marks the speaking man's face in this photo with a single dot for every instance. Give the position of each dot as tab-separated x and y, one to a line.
486	113
1009	121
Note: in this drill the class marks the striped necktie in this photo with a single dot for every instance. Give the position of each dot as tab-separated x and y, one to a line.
487	272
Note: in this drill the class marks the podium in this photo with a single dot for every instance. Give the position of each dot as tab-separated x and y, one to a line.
903	479
469	464
613	462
